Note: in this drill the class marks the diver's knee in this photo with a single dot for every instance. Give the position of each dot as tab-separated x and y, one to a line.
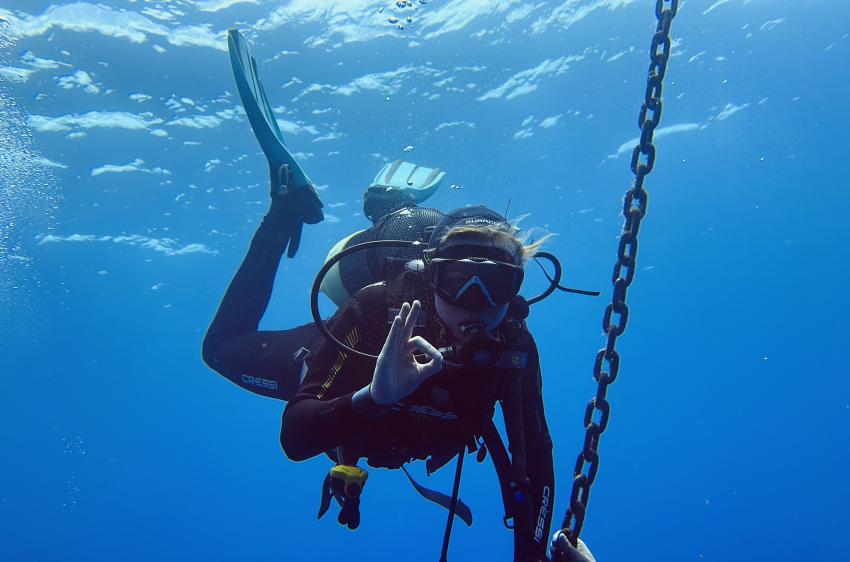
209	352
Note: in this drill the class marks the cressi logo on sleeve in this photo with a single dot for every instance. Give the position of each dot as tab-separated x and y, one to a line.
259	382
541	514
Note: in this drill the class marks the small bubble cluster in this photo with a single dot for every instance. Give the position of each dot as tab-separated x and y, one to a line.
28	195
400	21
73	445
72	493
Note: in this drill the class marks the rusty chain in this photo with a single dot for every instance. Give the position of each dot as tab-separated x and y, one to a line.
607	363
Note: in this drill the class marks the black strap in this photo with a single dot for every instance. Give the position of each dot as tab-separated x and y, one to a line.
512	408
447	535
502	464
461	510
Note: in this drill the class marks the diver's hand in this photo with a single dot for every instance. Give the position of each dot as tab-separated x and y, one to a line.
563	551
397	373
292	207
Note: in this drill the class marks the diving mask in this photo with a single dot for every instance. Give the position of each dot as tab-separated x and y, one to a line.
474	283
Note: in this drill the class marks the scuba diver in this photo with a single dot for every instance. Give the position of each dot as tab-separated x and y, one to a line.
450	337
446	326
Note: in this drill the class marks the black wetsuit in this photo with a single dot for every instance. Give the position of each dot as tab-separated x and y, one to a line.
264	362
434	422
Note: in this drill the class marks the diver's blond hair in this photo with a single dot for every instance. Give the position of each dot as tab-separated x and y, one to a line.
523	249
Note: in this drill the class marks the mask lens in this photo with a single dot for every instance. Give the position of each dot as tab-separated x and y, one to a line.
475	284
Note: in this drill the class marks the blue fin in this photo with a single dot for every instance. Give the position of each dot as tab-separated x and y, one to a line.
258	109
417	181
399	185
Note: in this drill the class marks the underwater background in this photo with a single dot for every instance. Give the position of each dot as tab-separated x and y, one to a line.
132	184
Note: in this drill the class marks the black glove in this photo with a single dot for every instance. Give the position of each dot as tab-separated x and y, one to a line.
292	207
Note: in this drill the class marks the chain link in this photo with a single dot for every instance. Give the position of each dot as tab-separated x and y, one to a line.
607	364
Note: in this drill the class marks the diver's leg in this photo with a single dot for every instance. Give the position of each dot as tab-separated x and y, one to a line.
260	361
263	362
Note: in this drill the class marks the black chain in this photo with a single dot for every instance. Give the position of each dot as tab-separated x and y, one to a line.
607	364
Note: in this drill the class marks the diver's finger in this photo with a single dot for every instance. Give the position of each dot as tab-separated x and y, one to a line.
410	322
563	551
423	345
584	551
394	337
404	311
402	314
435	364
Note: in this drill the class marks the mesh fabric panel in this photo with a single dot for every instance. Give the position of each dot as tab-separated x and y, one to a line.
367	266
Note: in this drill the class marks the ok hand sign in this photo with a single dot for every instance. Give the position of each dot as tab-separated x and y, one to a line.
397	373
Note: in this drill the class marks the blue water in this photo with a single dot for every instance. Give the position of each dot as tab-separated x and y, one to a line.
132	185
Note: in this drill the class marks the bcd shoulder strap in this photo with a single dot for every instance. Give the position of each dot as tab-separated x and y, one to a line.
502	463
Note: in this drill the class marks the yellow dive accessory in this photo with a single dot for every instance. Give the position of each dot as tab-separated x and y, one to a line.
353	479
344	483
